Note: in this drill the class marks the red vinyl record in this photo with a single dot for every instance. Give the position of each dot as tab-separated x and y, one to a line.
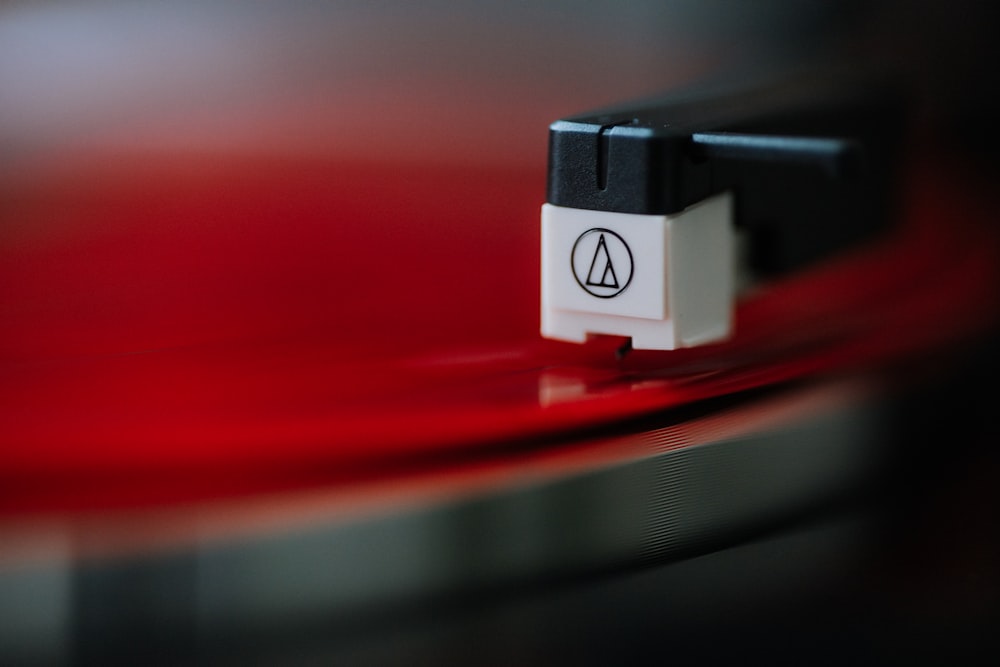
228	316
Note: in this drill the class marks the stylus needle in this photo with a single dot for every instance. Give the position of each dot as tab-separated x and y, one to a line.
625	348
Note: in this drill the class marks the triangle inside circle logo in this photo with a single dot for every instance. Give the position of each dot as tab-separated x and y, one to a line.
602	263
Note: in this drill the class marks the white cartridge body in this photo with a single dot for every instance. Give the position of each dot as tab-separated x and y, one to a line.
666	281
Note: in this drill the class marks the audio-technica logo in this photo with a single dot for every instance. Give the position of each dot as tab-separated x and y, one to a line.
602	263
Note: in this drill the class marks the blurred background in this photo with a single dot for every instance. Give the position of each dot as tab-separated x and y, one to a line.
393	81
219	219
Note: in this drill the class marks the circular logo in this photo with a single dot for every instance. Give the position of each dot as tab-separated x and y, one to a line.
601	263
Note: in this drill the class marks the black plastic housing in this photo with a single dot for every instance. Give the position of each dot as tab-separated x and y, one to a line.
810	161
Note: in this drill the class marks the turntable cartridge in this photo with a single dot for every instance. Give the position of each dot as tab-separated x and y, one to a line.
660	214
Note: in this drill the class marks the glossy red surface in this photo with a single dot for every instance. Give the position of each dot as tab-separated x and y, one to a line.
222	319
